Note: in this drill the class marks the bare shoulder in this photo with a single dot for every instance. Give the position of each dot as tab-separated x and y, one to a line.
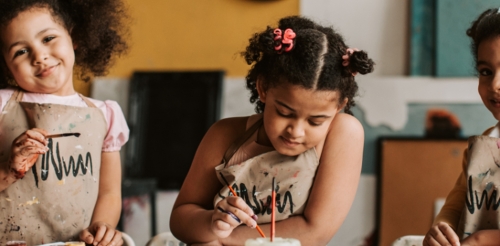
225	131
231	126
345	124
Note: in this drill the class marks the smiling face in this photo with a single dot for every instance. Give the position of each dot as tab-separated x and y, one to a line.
38	52
488	67
296	119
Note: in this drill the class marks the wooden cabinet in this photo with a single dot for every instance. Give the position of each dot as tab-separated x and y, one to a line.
412	174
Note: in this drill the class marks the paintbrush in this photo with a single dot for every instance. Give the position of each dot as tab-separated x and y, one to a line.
76	134
273	210
236	195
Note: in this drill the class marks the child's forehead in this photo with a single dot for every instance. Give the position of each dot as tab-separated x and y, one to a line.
291	90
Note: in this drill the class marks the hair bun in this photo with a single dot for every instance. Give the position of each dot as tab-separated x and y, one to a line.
359	62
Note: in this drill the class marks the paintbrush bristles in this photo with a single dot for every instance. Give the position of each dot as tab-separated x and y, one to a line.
76	134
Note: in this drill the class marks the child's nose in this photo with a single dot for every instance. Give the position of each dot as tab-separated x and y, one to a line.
296	129
495	84
39	56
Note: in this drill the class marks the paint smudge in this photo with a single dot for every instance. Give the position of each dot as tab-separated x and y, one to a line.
14	228
483	175
29	203
71	126
61	182
296	174
78	147
489	185
8	199
498	144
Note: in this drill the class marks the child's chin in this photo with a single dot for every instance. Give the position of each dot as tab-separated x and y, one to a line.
289	152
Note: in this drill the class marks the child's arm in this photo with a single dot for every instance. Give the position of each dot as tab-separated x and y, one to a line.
25	151
443	229
332	193
193	212
483	238
108	206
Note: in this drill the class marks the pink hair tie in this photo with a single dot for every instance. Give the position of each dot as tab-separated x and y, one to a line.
347	56
277	39
286	39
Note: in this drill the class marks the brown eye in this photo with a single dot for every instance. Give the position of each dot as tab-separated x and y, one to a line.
485	72
20	52
48	39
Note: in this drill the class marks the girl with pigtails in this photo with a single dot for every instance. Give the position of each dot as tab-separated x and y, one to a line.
302	82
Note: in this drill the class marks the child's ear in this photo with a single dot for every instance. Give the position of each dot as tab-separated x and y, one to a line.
342	105
261	90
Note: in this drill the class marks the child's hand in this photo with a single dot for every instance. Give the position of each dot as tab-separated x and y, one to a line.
441	234
25	150
229	214
101	234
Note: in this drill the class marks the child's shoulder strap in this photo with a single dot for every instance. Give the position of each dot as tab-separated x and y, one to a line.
240	141
87	101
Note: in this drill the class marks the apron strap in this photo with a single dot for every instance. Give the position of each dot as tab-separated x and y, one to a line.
16	96
87	101
240	141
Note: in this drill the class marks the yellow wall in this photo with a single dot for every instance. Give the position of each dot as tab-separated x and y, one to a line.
194	34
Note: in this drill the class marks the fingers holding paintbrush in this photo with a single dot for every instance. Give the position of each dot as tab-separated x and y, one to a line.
254	217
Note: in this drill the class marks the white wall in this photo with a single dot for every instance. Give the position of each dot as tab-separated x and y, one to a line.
376	26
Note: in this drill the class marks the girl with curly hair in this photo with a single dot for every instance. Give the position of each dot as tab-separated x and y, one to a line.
60	171
303	136
471	214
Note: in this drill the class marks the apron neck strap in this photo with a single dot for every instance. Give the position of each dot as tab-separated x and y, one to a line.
87	101
16	96
240	141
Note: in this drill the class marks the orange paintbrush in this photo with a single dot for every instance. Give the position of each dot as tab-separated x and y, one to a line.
273	211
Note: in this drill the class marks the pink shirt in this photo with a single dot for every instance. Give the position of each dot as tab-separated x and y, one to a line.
118	131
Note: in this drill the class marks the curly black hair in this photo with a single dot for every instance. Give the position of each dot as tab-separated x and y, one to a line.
314	62
486	26
98	28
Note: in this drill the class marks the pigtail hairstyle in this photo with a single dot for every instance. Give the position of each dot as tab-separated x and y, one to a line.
97	28
314	61
486	26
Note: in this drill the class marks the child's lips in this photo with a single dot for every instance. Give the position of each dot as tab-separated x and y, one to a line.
47	71
289	142
495	102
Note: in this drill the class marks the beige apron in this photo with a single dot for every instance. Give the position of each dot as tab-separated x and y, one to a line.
252	179
483	180
56	198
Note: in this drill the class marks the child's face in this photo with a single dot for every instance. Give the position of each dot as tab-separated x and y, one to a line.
488	67
39	53
297	119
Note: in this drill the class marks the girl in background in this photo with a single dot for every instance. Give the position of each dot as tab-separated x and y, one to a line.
66	188
470	213
303	135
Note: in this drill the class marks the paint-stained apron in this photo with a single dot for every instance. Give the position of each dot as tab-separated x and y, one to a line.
56	198
483	179
252	179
